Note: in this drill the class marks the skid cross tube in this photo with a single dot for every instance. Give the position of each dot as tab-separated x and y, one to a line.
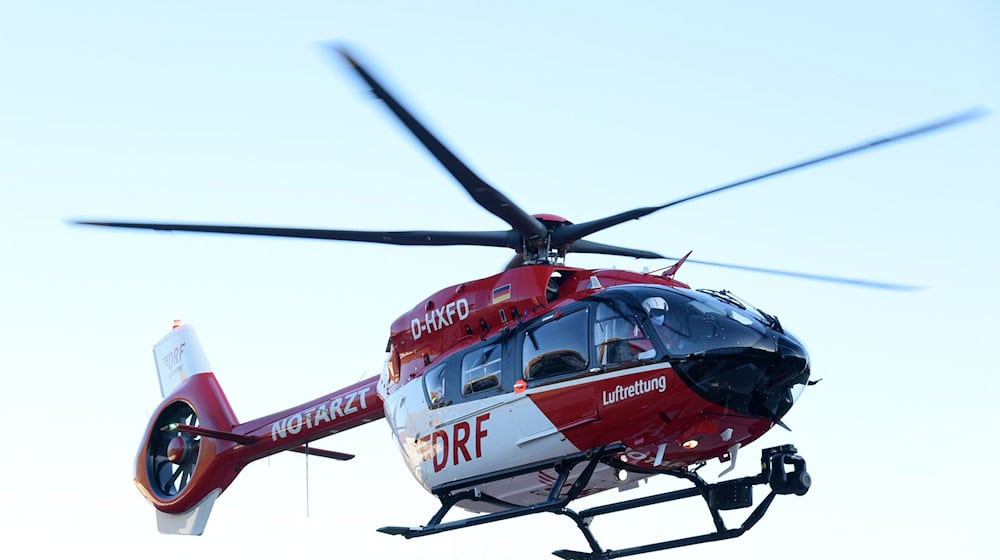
455	492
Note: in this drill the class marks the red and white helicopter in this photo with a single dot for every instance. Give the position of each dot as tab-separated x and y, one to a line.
520	392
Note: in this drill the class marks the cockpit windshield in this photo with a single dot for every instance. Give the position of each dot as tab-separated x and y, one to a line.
732	299
693	322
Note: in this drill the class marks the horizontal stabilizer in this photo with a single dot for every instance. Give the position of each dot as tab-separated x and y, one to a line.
323	453
218	434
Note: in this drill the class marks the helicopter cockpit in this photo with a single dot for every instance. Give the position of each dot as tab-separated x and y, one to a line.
690	322
724	348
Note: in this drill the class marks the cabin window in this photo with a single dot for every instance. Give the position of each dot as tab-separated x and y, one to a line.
619	339
392	363
481	370
557	347
434	383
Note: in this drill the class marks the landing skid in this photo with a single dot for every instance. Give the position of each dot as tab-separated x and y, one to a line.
720	496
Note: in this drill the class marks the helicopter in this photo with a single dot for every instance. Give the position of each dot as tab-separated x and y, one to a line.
524	391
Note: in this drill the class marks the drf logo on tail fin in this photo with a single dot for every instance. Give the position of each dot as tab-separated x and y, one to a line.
172	359
179	356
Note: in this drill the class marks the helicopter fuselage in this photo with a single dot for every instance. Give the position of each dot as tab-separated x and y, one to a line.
542	361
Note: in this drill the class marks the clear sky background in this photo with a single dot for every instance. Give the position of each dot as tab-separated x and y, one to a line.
229	112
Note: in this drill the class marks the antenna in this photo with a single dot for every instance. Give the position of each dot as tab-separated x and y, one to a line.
307	478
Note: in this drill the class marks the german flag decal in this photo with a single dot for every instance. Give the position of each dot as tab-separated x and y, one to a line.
501	294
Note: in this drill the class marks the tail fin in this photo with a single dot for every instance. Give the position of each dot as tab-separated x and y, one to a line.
178	356
176	467
194	446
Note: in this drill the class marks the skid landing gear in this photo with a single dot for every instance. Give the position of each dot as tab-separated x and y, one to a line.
781	468
728	495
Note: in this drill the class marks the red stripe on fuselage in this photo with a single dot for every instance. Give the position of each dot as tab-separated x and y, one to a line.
643	408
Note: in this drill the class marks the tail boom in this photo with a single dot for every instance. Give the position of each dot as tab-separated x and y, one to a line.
341	410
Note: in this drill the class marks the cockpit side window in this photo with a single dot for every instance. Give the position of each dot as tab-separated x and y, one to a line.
434	383
481	370
619	339
557	347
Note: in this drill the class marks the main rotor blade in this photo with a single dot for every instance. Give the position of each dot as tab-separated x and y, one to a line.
808	276
485	195
570	233
431	238
584	246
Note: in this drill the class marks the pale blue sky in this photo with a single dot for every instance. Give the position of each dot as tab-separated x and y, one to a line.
229	112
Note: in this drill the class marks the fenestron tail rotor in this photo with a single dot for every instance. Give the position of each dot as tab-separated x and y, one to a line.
539	238
172	456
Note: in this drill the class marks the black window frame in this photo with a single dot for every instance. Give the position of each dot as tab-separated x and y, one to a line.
586	345
620	310
480	385
437	374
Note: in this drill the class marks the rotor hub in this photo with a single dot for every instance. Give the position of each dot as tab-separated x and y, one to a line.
177	449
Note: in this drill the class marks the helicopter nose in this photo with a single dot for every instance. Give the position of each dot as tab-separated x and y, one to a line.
783	381
763	380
